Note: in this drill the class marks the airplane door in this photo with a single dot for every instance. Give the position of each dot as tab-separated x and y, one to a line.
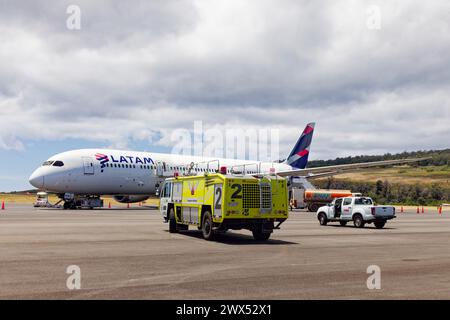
160	168
88	164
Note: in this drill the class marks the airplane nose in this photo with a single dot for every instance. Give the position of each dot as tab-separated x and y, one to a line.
37	180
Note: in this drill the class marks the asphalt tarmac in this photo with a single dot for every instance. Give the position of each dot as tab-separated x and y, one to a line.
129	254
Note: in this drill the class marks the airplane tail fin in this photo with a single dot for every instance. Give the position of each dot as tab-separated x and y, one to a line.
298	158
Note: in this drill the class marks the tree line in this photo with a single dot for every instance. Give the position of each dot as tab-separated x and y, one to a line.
392	193
438	158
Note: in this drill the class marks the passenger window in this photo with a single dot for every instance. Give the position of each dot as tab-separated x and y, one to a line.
347	201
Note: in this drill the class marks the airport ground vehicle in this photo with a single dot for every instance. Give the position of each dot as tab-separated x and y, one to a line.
313	199
360	210
216	202
41	200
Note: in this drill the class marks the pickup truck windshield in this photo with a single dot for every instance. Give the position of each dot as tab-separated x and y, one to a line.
363	202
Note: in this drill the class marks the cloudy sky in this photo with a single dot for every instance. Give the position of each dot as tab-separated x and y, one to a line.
374	75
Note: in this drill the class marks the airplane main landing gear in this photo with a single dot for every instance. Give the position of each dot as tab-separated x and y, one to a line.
69	205
73	202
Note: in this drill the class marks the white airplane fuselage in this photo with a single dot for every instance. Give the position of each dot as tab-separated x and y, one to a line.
116	172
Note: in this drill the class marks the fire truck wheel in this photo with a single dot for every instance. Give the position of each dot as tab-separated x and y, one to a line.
314	207
172	222
207	226
259	235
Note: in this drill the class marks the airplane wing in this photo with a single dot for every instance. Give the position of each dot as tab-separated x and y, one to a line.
337	169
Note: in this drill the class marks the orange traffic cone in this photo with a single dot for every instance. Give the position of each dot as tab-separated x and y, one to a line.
128	205
440	210
109	205
140	204
423	211
418	210
401	209
3	205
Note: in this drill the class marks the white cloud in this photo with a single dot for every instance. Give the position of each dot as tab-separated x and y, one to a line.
147	69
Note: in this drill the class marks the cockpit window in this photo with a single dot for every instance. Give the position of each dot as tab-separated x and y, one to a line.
48	163
58	164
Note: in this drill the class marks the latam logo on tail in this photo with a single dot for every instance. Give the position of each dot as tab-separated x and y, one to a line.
299	155
104	159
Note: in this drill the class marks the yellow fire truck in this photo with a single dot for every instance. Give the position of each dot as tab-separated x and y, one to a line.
217	202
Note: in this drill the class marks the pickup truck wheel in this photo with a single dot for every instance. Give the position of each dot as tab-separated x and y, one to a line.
379	224
207	226
343	223
358	221
172	222
323	219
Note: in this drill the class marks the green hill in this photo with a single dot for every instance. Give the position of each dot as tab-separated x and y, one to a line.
438	158
424	183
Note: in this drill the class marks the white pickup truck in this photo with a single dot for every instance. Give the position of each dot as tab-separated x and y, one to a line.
360	210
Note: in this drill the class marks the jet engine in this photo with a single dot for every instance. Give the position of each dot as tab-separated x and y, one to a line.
130	198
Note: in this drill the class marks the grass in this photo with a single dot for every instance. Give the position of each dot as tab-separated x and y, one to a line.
402	174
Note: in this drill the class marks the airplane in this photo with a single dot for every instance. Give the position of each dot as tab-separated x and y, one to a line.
131	176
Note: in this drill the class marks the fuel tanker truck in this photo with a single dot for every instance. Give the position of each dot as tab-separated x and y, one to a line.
313	199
